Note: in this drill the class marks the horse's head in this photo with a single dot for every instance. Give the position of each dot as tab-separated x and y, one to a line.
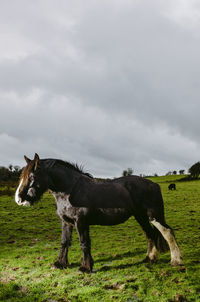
33	182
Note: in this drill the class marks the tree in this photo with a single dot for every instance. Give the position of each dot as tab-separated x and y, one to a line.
11	173
4	173
17	169
181	172
168	173
174	172
10	167
194	170
127	172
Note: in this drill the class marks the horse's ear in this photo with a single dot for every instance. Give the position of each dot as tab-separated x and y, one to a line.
28	160
36	161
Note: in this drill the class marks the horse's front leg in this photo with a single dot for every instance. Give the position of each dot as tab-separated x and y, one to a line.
62	261
84	237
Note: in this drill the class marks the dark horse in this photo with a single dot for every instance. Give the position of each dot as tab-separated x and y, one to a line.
172	187
81	201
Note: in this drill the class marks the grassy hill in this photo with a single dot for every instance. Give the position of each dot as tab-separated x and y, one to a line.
30	242
167	178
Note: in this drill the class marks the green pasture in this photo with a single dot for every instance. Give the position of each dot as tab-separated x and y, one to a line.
30	242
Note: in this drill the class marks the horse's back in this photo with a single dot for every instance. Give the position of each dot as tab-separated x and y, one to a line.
93	194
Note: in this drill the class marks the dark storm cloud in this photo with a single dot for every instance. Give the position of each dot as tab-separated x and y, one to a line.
111	85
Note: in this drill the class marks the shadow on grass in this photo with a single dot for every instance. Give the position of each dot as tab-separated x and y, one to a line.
120	256
149	265
111	258
117	267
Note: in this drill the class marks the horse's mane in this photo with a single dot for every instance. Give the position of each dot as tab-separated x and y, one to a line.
73	166
50	162
25	171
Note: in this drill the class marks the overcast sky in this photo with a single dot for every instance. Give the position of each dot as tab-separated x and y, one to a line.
108	84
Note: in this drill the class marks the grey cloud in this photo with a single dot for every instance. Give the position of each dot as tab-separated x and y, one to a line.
110	85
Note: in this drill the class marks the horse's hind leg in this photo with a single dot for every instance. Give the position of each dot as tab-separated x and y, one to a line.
167	233
152	252
62	261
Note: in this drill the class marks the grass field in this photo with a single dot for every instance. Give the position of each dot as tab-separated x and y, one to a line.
30	241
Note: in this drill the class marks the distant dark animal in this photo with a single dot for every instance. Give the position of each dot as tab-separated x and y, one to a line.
81	201
172	187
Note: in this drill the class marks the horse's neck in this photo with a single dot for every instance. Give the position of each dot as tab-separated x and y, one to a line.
62	179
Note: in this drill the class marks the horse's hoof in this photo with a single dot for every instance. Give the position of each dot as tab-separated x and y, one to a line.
145	260
84	269
176	263
60	265
148	260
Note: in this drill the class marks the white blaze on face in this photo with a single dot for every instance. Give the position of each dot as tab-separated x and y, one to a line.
18	199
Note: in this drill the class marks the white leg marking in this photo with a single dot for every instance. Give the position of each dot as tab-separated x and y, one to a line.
176	258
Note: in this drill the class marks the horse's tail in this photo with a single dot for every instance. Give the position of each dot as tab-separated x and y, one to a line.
158	213
152	208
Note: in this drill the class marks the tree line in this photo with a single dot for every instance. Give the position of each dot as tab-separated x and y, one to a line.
194	171
11	173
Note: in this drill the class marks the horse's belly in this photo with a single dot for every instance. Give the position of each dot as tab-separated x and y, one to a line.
108	216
